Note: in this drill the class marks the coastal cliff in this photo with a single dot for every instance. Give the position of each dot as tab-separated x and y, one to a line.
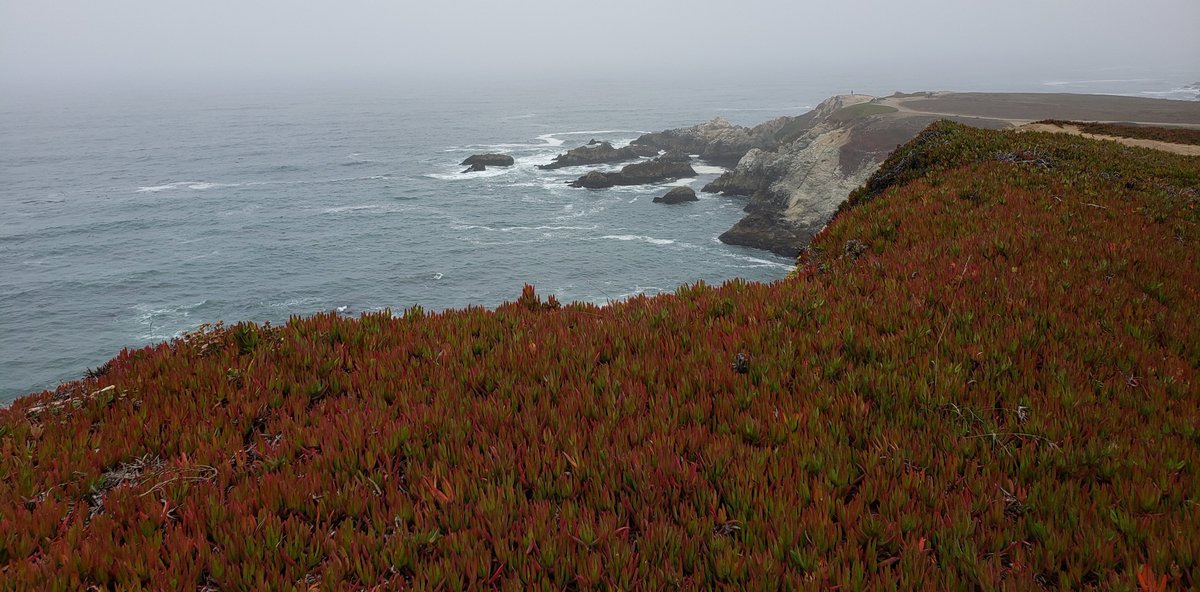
796	171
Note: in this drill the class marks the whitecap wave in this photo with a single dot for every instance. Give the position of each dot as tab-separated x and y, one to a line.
492	172
520	228
705	169
1179	94
382	208
755	262
166	322
571	213
550	140
1095	81
598	132
291	303
638	237
196	185
202	185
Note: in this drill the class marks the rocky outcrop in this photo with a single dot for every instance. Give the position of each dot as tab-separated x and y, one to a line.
678	195
769	233
501	160
475	168
795	188
718	141
598	153
638	173
653	171
737	182
593	180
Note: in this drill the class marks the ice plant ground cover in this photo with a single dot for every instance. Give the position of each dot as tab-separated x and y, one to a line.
1141	132
982	375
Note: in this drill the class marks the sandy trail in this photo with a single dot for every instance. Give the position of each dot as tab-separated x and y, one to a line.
1023	110
1185	149
1018	109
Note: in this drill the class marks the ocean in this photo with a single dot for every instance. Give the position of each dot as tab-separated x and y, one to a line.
129	218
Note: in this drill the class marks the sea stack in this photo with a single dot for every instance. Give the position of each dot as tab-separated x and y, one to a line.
678	195
500	160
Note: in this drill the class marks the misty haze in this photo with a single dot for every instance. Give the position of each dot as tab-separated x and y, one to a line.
626	295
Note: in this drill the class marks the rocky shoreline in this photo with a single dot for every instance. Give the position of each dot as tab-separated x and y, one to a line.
794	171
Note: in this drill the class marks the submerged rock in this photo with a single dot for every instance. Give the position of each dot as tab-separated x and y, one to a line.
475	168
501	160
678	195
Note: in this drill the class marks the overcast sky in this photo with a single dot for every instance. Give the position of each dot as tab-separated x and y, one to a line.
49	42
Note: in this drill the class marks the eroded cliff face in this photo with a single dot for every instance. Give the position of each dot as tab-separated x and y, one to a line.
796	187
717	141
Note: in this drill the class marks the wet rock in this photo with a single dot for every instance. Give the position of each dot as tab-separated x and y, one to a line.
596	153
765	231
593	180
677	195
475	168
638	173
501	160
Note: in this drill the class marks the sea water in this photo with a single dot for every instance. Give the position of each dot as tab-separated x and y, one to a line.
129	218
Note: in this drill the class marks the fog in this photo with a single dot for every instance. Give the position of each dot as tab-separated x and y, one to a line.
221	43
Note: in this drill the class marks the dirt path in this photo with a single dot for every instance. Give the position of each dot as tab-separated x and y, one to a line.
1021	109
1185	149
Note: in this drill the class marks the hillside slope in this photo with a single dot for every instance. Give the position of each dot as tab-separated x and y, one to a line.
984	374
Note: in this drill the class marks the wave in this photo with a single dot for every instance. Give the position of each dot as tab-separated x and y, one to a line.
639	290
203	185
597	132
492	172
383	208
196	185
1096	81
570	213
638	237
166	322
520	228
1181	94
704	169
549	140
756	262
